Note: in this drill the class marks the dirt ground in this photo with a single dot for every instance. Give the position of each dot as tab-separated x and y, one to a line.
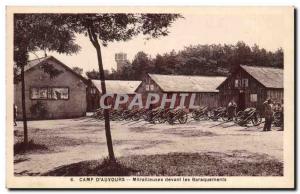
75	140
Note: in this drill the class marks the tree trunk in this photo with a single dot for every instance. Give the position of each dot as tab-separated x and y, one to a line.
24	106
95	42
106	111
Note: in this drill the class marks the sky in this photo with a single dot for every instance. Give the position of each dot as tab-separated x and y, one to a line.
263	29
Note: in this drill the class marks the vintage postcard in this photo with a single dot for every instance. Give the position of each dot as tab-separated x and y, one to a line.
150	97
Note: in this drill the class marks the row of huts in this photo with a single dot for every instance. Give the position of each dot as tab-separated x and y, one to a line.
70	95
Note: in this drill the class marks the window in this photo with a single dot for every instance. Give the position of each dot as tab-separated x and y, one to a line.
236	83
151	87
93	91
253	97
58	93
38	93
244	82
241	83
50	93
147	87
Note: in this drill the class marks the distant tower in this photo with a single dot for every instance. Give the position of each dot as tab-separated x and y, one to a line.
121	59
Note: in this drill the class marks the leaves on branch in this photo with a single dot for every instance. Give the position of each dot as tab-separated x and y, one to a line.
34	32
51	70
110	27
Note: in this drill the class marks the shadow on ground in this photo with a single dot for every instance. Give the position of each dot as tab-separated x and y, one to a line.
21	148
174	164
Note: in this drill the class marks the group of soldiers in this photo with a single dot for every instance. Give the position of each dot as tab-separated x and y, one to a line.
269	108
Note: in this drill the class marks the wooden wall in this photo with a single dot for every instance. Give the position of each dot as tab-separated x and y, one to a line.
75	106
93	99
210	99
228	91
276	95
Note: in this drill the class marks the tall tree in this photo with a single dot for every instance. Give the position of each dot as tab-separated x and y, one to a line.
141	64
33	32
104	28
95	74
211	60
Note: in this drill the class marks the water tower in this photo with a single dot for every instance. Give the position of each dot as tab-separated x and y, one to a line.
121	59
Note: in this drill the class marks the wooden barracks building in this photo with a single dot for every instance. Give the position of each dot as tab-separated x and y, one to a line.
250	86
70	95
48	97
114	87
205	88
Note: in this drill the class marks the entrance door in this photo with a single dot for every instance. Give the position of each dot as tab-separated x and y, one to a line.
241	101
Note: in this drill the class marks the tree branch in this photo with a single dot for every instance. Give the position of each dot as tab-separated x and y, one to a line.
93	34
91	37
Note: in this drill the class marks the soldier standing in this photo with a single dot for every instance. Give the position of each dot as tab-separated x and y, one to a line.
281	116
268	115
231	108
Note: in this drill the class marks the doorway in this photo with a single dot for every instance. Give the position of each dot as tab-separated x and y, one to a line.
241	101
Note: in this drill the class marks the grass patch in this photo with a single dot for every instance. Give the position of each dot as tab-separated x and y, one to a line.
92	168
172	164
52	139
21	148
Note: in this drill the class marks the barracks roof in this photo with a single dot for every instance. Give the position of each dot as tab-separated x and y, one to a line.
268	76
33	63
183	83
117	86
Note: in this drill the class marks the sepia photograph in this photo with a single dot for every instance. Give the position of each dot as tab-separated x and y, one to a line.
150	97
